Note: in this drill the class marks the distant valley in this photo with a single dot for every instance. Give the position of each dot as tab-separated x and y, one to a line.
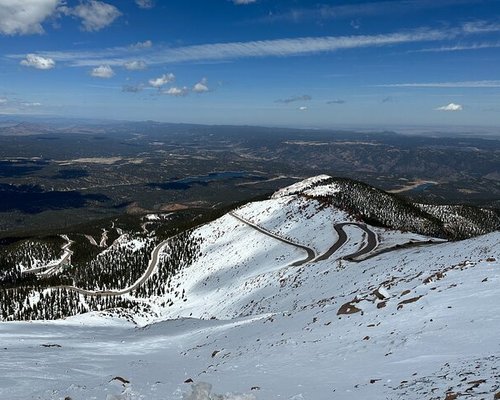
58	174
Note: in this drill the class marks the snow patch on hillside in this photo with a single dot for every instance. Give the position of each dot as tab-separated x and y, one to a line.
301	186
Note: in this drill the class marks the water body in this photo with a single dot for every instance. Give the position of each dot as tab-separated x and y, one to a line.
422	187
205	180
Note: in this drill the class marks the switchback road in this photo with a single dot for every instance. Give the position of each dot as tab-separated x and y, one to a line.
311	254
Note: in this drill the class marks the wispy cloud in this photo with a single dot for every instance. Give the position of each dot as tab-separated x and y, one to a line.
241	2
142	45
450	107
145	3
286	47
366	9
132	88
481	27
336	101
463	84
135	65
176	91
294	99
34	104
458	47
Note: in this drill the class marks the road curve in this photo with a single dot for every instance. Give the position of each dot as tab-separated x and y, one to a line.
370	244
49	268
311	254
108	293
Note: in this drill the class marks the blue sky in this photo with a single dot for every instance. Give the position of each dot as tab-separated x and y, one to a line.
263	62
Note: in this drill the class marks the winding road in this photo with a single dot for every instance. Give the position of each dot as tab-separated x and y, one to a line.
50	268
369	245
151	267
311	254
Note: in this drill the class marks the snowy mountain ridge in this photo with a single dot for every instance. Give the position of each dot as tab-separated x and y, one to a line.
287	298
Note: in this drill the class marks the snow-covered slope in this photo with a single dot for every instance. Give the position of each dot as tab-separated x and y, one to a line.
260	315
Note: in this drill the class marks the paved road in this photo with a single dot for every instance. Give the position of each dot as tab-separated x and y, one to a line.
369	245
311	254
151	267
48	269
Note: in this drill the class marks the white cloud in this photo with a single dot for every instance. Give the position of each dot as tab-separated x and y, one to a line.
162	80
239	2
22	17
145	3
142	45
38	62
103	71
3	101
135	65
303	108
450	107
463	84
176	91
201	87
95	15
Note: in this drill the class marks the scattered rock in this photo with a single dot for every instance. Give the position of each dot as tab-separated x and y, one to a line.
51	345
255	388
475	384
381	293
497	396
120	379
451	396
382	304
490	259
408	301
348	308
374	380
189	380
435	277
215	352
366	338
